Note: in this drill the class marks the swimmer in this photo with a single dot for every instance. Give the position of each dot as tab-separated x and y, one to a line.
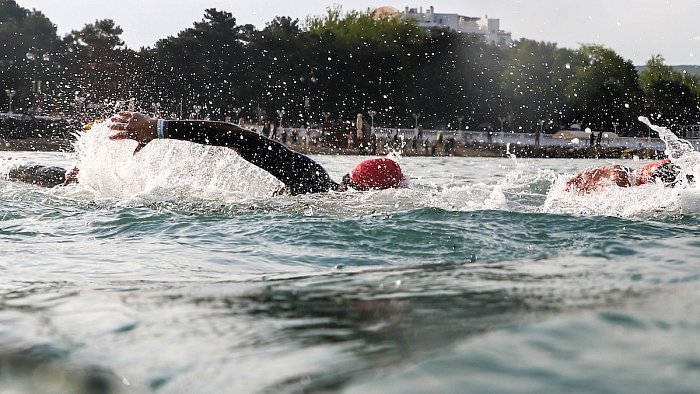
45	176
299	173
596	179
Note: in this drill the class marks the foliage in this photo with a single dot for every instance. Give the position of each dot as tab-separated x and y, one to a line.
204	65
671	98
605	92
99	67
534	84
339	64
26	39
367	64
284	68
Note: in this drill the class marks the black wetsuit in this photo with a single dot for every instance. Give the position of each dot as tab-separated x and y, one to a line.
38	175
300	174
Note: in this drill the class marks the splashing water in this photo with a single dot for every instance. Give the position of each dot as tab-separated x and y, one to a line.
194	176
675	147
164	170
189	176
641	201
509	154
680	151
394	153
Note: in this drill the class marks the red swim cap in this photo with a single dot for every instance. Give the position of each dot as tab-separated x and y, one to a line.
376	174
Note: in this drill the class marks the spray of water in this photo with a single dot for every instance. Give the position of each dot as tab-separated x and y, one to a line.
179	172
639	201
680	151
194	176
675	147
165	170
188	175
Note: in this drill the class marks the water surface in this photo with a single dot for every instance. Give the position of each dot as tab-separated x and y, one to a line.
179	270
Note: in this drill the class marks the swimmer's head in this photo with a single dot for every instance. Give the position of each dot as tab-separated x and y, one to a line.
371	174
667	173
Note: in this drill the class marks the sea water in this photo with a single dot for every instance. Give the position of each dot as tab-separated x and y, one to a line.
180	270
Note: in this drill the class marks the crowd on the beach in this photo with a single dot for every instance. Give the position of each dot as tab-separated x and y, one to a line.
355	138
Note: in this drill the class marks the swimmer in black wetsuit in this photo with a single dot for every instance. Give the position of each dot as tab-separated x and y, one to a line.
38	175
299	173
42	175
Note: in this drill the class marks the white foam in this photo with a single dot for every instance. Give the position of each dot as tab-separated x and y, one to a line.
675	147
165	170
639	201
184	173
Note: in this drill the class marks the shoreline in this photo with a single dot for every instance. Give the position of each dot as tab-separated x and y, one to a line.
469	149
36	144
476	149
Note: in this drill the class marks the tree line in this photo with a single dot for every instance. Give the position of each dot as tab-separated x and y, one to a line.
334	66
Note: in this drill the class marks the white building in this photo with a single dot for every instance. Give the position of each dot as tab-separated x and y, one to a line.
486	27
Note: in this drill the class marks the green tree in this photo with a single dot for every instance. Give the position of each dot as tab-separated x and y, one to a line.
534	83
28	41
657	70
284	73
205	65
100	67
366	63
670	97
605	90
458	78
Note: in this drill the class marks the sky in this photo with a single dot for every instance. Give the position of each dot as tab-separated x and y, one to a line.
635	29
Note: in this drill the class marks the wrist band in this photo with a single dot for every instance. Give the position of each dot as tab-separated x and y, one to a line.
161	128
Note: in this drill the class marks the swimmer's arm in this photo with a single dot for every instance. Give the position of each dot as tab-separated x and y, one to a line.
262	152
299	173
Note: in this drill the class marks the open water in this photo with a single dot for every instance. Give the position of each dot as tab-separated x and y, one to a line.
179	271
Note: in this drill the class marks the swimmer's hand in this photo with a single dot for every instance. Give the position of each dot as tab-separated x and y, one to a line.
71	176
134	126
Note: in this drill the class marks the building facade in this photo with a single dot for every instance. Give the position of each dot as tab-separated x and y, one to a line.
486	27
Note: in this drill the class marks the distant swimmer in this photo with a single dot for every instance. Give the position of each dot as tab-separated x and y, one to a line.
46	176
596	179
299	173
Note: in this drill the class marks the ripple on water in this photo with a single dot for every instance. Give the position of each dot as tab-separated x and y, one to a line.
607	351
480	276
